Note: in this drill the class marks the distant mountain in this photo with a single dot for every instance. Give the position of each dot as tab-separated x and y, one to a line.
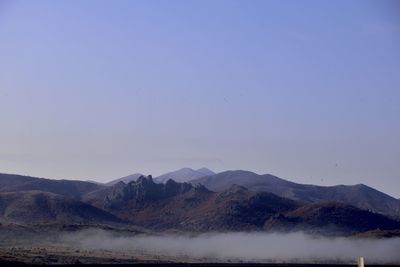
360	196
125	179
68	188
205	171
187	207
37	207
192	207
184	175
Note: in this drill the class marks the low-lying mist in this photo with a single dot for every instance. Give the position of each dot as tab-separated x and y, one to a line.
254	247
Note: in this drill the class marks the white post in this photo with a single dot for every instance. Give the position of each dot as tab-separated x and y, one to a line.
361	262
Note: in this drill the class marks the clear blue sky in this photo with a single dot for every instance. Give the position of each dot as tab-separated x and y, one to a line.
306	90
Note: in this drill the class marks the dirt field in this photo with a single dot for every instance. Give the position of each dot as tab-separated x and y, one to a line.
66	255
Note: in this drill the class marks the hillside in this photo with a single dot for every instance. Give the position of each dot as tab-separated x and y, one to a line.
37	207
360	196
186	207
68	188
183	175
326	217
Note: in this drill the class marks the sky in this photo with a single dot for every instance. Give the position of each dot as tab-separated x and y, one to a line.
305	90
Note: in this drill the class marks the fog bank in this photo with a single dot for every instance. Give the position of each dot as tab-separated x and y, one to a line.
260	247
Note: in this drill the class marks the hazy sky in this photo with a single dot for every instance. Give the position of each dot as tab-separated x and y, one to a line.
306	90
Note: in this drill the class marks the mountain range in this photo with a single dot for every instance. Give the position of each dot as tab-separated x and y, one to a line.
188	207
360	196
227	201
184	175
181	175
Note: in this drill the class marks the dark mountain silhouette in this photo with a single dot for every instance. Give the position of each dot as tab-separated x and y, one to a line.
68	188
360	196
184	175
188	207
38	207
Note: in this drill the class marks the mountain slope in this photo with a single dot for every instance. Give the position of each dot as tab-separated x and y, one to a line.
142	190
184	175
188	207
125	179
182	206
205	171
36	207
75	189
330	216
360	196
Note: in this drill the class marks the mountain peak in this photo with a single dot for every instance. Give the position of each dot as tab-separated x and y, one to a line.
143	179
183	175
143	190
205	171
125	179
185	169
